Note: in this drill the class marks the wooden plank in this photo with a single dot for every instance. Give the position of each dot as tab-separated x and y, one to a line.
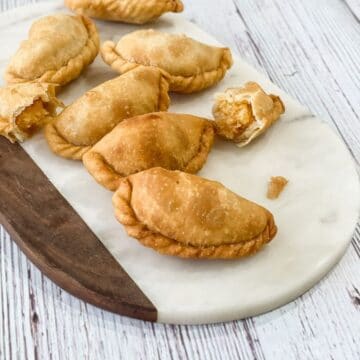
61	245
354	8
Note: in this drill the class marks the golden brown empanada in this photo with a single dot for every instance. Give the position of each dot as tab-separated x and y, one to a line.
59	47
98	111
185	215
242	114
128	11
188	64
25	108
172	141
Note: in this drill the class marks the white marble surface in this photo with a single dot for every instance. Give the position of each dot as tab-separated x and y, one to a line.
316	213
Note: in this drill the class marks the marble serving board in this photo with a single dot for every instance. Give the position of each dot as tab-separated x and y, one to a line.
316	213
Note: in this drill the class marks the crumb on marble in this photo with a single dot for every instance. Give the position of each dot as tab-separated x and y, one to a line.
276	185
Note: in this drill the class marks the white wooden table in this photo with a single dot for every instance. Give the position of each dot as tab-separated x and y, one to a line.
312	50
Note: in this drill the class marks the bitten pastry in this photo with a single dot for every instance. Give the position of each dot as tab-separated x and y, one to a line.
172	141
59	47
25	108
188	64
242	114
128	11
98	111
185	215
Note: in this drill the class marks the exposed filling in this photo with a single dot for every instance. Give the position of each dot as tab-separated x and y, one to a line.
234	120
241	114
32	118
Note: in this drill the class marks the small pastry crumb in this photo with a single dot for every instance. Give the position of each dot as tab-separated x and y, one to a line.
242	114
275	186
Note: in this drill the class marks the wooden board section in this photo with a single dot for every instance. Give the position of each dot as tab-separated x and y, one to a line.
58	242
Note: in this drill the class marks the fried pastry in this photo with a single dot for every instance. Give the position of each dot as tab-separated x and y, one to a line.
98	111
188	64
172	141
276	185
242	114
185	215
59	47
25	108
128	11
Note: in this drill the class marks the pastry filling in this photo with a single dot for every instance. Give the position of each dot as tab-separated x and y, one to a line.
241	114
32	118
234	120
275	186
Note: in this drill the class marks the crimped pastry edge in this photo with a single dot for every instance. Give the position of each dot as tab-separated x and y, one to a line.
103	173
60	146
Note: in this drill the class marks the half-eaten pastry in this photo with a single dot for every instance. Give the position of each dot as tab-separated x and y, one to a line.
172	141
128	11
25	108
180	214
242	114
58	49
98	111
188	64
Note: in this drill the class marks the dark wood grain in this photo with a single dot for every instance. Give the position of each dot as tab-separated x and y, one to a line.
58	242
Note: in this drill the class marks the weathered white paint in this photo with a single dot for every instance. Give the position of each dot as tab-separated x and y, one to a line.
311	50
